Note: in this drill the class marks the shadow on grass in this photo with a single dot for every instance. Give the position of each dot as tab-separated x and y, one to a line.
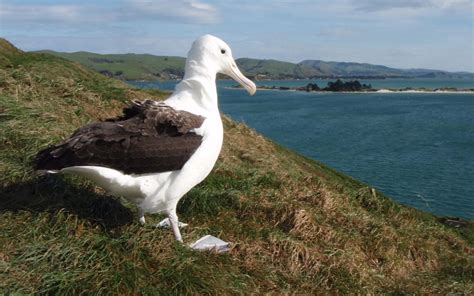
53	193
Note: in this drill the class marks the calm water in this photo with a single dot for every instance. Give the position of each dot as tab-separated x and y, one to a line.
416	148
376	83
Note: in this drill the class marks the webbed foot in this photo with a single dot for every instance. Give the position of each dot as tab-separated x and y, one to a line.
165	223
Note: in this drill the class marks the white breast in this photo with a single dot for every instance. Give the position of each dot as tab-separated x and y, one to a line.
172	187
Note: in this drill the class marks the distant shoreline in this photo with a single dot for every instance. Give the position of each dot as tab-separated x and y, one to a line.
378	91
436	91
356	87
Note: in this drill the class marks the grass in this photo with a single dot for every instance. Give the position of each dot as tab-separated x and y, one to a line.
297	226
128	66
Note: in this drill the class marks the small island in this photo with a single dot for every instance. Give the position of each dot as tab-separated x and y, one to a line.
354	86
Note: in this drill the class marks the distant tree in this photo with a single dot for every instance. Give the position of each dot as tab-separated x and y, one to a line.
352	86
335	86
312	87
339	85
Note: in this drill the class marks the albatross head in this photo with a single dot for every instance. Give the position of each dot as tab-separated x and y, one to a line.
215	55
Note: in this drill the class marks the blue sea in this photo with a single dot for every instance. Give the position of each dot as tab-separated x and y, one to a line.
417	148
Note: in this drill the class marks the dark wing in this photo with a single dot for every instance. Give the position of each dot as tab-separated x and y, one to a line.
149	137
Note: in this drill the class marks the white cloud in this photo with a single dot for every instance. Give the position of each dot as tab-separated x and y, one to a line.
192	11
182	11
382	5
337	32
40	13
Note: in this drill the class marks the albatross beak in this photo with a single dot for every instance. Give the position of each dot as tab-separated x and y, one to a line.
240	78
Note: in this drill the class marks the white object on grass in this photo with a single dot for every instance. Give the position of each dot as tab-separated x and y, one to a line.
210	242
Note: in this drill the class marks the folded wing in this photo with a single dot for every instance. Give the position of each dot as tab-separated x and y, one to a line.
150	137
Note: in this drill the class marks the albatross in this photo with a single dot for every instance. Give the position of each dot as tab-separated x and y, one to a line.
155	152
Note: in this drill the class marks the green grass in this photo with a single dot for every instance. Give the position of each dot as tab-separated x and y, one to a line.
128	66
297	226
275	69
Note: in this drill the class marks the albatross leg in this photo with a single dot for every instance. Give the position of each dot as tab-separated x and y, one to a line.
141	216
174	225
165	223
207	242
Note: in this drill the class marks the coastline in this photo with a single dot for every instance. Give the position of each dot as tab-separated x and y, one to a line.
460	91
377	91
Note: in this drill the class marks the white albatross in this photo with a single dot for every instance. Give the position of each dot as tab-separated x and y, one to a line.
156	151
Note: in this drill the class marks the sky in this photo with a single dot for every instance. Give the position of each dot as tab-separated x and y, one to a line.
433	34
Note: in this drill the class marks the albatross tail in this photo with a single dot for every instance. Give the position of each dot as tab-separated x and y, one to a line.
111	180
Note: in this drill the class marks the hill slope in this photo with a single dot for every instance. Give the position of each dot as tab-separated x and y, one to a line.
128	66
296	225
352	69
342	69
150	67
275	69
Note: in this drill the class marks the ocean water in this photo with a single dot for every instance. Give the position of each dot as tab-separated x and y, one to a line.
376	83
417	148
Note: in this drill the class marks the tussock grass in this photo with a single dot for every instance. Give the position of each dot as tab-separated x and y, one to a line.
297	226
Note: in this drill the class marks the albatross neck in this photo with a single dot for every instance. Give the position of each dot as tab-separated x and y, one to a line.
200	82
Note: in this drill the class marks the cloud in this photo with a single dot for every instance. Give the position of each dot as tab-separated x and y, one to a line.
192	11
382	5
337	32
181	11
20	13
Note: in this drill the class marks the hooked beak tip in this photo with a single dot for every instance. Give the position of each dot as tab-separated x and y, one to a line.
244	81
252	89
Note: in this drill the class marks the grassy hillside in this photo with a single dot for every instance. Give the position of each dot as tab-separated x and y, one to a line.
364	69
128	66
296	225
151	67
352	69
275	69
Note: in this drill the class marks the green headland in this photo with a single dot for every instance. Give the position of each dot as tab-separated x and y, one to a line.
151	67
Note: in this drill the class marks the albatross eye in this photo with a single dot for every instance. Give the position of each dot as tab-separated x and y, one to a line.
223	51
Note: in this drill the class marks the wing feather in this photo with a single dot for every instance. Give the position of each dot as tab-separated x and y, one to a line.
149	137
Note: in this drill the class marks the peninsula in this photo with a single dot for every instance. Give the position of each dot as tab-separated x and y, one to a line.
354	86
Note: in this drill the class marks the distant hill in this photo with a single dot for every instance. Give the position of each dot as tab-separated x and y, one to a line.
343	69
275	69
151	67
128	66
352	69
